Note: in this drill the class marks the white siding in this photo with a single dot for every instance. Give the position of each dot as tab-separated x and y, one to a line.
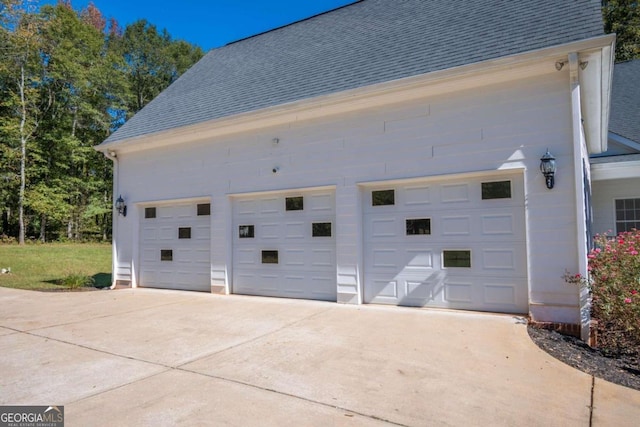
490	128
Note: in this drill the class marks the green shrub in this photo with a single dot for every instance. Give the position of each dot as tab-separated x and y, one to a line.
76	280
614	284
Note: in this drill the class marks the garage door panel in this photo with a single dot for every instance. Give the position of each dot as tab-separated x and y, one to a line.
383	228
270	231
417	196
384	289
321	203
201	232
294	285
270	206
323	287
455	225
295	230
454	193
409	269
458	292
187	265
302	257
323	258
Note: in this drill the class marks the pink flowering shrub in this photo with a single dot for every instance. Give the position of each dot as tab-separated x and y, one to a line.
614	283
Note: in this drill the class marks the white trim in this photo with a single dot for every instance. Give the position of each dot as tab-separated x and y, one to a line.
462	175
615	170
165	202
281	191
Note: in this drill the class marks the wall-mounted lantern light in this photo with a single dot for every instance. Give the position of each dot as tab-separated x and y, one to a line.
548	168
121	207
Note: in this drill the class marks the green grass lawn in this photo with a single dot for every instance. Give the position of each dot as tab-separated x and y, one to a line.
45	266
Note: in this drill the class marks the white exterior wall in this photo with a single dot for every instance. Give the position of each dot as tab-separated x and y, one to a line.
505	126
604	195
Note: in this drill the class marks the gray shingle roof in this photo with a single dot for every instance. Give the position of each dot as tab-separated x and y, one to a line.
625	100
367	42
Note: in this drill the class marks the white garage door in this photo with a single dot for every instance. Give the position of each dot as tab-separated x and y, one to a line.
284	245
456	243
175	246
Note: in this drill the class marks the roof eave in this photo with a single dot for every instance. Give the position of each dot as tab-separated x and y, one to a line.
375	95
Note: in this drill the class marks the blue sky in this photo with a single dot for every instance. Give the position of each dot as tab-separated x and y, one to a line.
211	23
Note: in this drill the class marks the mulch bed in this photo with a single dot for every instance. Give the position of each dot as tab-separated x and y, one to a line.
623	370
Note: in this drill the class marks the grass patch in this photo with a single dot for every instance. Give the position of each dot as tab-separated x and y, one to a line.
56	265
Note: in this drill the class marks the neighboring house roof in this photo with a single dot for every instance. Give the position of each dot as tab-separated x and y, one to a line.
365	43
625	101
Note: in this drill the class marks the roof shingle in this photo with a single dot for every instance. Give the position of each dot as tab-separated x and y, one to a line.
625	100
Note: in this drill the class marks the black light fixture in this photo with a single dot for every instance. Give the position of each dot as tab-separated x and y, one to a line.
548	168
121	207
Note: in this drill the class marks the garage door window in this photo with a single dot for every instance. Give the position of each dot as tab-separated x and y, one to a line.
166	255
418	226
246	231
321	229
627	215
269	257
149	212
184	232
204	209
496	190
294	203
456	259
383	198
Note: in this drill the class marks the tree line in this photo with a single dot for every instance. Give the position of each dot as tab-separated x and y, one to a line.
69	78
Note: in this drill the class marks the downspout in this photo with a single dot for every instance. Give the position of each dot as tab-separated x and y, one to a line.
579	148
111	155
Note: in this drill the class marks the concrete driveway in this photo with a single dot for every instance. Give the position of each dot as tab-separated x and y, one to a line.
152	357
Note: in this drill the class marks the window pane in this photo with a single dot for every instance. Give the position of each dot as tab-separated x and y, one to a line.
269	257
321	229
383	198
496	190
166	255
184	232
294	203
418	226
246	231
149	212
456	258
204	209
627	214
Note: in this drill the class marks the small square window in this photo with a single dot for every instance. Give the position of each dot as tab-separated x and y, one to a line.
204	209
456	259
496	190
294	203
321	229
627	215
149	212
383	197
166	255
269	257
418	226
246	231
184	232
